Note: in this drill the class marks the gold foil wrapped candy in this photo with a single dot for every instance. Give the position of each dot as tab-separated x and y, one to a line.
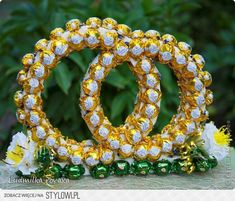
94	119
39	71
21	77
27	60
126	150
60	47
48	58
152	47
39	132
92	157
90	87
107	60
141	151
73	25
154	152
185	48
32	101
109	39
76	157
123	30
94	22
21	115
18	98
92	38
106	156
109	23
149	111
133	136
199	60
209	97
118	44
34	117
136	47
89	103
41	45
56	33
102	132
76	40
143	67
121	50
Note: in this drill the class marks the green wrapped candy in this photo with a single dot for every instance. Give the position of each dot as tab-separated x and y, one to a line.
141	167
19	173
54	172
202	165
162	167
43	157
74	171
121	167
39	173
213	162
179	166
100	171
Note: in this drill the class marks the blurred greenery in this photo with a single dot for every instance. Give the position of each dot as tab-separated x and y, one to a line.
207	25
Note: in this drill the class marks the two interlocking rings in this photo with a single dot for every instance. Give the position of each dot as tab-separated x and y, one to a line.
117	44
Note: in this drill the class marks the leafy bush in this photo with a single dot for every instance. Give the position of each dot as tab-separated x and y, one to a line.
209	26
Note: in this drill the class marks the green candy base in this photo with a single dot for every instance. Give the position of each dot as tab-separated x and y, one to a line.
48	168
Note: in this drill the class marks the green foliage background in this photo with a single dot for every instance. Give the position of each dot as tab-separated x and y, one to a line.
207	25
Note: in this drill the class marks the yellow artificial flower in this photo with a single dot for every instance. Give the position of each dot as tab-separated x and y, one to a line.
216	141
20	154
222	136
16	155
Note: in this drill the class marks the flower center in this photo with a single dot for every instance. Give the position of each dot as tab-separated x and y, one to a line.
16	155
222	137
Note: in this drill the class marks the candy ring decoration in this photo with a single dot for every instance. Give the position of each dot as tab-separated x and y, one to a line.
139	123
170	151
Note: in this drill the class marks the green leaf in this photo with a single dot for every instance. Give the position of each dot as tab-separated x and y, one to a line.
167	79
116	79
118	104
76	58
63	77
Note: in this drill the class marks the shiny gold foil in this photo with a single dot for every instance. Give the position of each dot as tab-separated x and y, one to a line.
18	98
89	103
41	45
56	33
108	40
185	48
152	46
73	24
94	119
94	22
126	150
21	77
137	34
116	48
136	47
109	23
123	30
199	60
92	38
209	97
152	34
76	40
90	87
39	71
27	60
